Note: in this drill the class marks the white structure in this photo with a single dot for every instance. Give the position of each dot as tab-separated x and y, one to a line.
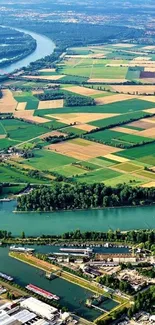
22	317
152	319
40	322
38	307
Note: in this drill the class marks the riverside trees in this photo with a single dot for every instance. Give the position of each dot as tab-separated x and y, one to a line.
83	196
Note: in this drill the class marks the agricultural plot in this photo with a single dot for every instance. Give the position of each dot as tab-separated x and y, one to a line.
28	98
7	103
98	176
81	149
138	152
47	160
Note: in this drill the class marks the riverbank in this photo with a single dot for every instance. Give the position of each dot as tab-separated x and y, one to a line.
97	208
45	46
55	270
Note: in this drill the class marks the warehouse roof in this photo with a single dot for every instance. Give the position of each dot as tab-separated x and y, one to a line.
40	308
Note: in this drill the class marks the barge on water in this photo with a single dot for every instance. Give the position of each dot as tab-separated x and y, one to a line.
41	292
6	277
21	249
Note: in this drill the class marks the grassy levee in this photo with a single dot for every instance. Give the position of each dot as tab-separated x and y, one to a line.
48	267
110	313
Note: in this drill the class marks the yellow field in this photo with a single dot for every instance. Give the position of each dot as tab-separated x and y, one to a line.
45	77
85	127
27	115
57	103
79	151
84	91
132	89
113	99
116	158
80	118
7	103
21	106
92	80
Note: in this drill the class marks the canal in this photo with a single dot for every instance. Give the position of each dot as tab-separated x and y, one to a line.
71	295
35	224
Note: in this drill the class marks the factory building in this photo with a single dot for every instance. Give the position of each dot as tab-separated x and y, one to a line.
40	308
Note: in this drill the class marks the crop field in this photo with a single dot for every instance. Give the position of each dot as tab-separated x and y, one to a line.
47	160
110	130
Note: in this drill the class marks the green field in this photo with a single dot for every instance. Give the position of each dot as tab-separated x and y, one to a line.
47	160
98	176
138	152
32	101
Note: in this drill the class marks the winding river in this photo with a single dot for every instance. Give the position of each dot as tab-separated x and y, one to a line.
35	224
45	47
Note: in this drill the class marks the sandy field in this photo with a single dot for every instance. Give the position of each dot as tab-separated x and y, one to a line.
57	103
141	58
125	130
150	120
148	98
149	69
150	47
21	106
83	90
80	118
144	124
150	184
7	103
113	99
85	127
28	116
106	80
123	45
47	70
91	150
52	134
149	133
149	89
151	110
2	136
37	92
45	77
116	158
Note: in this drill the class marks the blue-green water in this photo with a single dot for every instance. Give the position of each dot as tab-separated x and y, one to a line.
35	224
71	295
45	47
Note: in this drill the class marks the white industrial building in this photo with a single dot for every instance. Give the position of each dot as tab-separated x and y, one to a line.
22	317
40	308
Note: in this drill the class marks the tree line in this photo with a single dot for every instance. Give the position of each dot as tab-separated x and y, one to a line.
70	99
84	196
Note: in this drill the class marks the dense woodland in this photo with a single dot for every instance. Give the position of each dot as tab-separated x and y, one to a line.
69	99
14	45
82	196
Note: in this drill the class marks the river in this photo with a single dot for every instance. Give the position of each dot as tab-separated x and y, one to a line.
35	224
45	47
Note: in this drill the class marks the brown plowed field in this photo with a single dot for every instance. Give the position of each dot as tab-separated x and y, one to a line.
91	150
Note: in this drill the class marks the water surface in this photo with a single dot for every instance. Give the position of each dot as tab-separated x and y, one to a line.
45	46
35	224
